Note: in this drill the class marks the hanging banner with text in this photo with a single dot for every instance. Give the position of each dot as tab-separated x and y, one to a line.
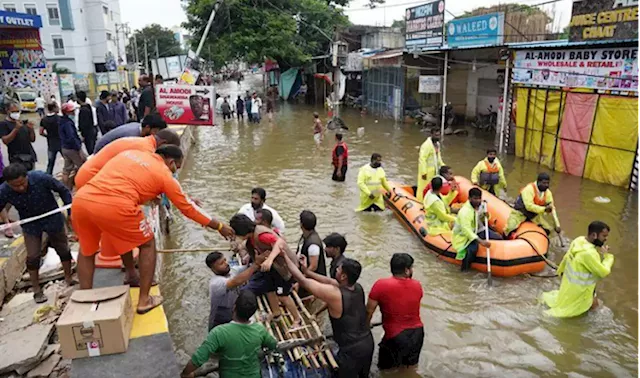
597	20
429	84
21	49
484	30
613	69
186	104
425	25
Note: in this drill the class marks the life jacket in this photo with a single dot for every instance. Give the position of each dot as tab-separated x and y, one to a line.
446	187
490	176
345	154
519	204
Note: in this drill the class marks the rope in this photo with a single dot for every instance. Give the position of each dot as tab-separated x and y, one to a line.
33	219
547	261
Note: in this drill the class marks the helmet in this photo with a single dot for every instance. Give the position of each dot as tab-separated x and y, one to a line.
68	108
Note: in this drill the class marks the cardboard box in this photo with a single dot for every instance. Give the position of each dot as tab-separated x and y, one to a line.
96	322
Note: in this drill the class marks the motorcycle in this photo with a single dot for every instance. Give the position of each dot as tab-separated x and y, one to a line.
486	122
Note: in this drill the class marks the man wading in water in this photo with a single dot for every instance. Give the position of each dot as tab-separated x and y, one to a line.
345	299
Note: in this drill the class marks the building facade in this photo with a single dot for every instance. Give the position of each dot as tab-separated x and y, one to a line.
82	36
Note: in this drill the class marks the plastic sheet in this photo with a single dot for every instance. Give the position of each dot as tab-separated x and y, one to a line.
521	114
616	123
578	116
570	157
610	166
535	116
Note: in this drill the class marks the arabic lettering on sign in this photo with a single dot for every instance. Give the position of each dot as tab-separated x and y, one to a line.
613	69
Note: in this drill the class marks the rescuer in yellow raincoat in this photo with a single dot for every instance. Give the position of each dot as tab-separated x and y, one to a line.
429	162
436	212
372	182
580	269
469	231
489	174
534	203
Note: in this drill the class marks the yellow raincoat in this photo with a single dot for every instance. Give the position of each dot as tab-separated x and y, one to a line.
486	167
429	162
465	229
580	268
437	214
372	180
533	202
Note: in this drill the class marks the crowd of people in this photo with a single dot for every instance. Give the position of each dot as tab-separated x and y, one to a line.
271	268
133	163
251	104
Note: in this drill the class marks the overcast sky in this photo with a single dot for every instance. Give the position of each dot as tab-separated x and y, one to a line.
168	13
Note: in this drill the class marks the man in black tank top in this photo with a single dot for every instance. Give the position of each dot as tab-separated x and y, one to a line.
347	312
310	245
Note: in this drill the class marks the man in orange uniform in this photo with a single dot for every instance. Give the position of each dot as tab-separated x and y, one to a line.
107	214
92	166
149	144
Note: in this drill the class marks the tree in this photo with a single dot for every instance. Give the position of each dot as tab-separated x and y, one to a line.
402	24
166	42
288	31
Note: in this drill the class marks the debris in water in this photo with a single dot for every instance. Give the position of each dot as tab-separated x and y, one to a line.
600	199
360	131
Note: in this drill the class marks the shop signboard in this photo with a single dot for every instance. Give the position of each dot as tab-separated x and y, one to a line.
13	20
186	104
599	68
429	84
484	30
425	25
67	86
189	76
597	20
21	49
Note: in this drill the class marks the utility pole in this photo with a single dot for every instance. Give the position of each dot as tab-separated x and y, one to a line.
208	27
146	57
157	54
135	51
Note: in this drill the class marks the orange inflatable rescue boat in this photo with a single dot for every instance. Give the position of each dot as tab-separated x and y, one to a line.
522	254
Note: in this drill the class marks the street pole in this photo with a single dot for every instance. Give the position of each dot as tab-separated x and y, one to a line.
146	57
118	43
444	94
504	106
157	54
135	53
208	27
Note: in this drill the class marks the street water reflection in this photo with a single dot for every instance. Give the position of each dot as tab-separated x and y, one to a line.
471	331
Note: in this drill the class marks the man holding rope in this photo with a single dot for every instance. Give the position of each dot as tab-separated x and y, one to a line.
31	193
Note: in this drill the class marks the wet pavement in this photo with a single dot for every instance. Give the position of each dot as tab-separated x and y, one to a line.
470	330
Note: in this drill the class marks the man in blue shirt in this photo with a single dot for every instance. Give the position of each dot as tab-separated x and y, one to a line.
32	195
72	152
151	124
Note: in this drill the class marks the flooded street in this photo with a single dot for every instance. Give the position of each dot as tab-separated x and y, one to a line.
470	331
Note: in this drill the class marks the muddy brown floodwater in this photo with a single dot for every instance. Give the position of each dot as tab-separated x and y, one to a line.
470	331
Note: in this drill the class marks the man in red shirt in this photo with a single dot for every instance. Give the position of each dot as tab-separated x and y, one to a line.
399	299
339	159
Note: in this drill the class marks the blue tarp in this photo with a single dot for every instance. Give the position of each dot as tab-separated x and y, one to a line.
287	82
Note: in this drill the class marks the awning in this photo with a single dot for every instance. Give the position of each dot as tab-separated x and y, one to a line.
387	54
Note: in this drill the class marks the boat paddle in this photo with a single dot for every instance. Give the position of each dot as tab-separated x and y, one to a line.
557	224
486	236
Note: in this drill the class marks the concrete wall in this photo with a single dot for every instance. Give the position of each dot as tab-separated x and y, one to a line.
391	38
479	99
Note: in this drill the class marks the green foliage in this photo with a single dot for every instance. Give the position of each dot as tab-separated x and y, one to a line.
60	70
167	44
289	31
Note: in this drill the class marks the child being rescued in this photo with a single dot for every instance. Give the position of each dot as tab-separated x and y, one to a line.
274	279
